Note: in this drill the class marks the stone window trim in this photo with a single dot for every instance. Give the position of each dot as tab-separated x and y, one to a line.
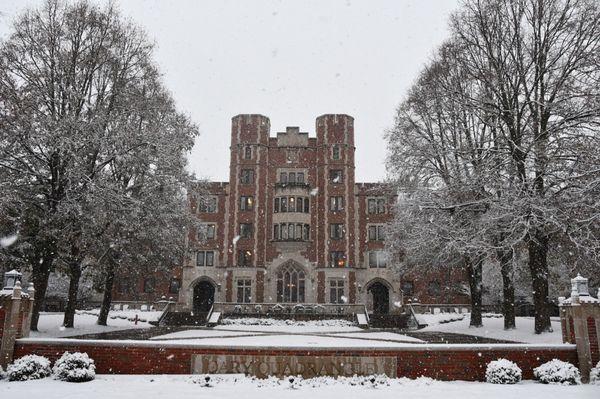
244	288
210	230
336	176
205	258
248	153
376	232
337	231
208	205
336	152
246	203
336	203
292	231
337	290
376	205
245	258
337	259
246	230
377	259
284	204
247	176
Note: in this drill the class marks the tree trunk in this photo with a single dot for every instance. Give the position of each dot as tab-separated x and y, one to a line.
508	289
107	297
75	272
538	266
474	272
40	275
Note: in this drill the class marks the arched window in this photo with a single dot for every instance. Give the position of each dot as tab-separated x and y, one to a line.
290	284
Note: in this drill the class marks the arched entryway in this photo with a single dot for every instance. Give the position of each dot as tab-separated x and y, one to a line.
204	296
381	297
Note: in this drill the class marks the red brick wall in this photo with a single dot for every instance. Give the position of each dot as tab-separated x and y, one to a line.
2	318
593	337
446	362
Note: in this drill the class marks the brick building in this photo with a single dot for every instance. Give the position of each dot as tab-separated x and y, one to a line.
293	226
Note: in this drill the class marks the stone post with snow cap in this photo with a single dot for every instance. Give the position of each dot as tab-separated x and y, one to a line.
580	323
15	316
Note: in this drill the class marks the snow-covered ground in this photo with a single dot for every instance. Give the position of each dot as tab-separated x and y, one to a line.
50	325
181	387
494	328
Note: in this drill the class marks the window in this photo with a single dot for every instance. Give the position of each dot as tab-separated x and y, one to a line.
244	291
207	231
336	291
336	176
376	205
246	203
336	231
174	285
149	285
246	230
292	177
408	288
207	205
291	204
283	177
290	284
335	152
205	258
337	259
124	285
433	288
291	232
336	204
377	259
247	176
376	233
247	152
244	257
300	177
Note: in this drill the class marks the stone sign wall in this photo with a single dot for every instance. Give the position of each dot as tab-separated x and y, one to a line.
307	366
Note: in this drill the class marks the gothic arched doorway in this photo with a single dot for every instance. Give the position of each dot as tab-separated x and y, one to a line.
381	298
204	296
291	284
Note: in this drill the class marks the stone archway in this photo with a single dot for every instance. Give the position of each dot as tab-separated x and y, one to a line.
203	297
380	297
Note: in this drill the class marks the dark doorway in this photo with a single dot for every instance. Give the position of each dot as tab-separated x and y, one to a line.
204	296
381	298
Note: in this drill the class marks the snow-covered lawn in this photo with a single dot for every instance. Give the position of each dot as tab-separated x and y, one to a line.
50	325
181	387
494	328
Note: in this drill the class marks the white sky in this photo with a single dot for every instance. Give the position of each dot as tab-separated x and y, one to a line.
289	60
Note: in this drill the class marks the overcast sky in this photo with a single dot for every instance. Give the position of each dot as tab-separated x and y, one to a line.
289	60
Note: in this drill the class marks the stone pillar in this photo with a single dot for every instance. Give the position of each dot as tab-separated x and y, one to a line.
580	324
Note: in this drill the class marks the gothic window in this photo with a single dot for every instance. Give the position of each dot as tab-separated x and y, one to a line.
336	291
290	284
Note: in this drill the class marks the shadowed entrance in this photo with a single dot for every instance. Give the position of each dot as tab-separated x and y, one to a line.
204	296
381	298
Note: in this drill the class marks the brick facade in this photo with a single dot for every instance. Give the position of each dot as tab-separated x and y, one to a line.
294	223
443	362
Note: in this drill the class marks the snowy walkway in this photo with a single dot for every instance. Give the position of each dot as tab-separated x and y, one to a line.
162	386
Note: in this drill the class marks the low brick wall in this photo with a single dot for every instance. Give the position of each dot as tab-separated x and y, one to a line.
443	362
